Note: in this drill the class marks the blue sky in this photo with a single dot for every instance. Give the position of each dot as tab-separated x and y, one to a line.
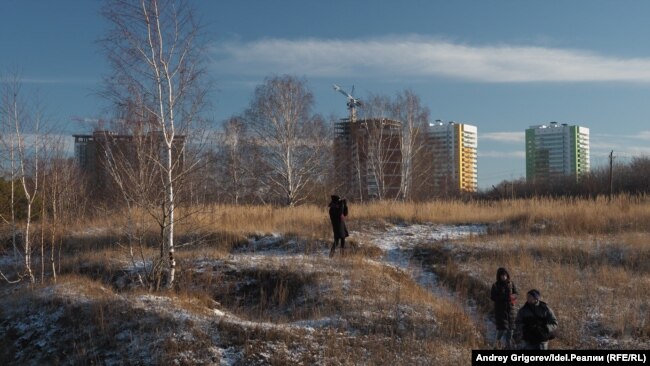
500	65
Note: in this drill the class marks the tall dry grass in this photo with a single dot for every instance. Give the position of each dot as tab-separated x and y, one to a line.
554	215
596	284
587	257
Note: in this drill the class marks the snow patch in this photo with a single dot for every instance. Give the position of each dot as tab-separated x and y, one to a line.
408	236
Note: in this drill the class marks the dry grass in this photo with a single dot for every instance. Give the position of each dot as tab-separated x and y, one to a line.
588	257
562	215
597	284
548	215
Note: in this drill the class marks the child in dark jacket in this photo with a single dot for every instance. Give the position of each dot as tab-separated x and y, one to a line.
536	322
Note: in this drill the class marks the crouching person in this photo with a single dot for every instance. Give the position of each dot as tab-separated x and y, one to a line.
536	322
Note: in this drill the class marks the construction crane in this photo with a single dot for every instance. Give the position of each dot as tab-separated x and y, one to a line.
98	124
352	104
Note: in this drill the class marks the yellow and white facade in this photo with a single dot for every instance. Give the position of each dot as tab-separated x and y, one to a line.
454	146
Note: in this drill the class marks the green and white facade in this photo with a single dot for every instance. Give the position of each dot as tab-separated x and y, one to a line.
556	151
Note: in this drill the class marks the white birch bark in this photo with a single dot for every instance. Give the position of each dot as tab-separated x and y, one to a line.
156	55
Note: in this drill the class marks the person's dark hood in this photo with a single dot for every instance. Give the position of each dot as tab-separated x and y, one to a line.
501	271
335	198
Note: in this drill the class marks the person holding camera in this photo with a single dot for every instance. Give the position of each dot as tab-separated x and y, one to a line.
536	322
338	210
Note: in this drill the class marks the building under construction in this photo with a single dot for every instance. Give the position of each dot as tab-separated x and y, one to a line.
103	155
368	158
367	155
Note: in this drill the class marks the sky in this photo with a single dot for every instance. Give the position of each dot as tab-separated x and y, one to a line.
499	65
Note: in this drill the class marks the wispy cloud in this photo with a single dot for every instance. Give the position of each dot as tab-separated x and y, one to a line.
49	141
643	135
417	56
622	150
61	80
622	145
502	154
506	137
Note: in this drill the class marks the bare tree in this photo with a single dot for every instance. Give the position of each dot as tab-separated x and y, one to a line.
234	160
157	54
66	196
394	146
379	152
22	127
132	160
408	109
288	136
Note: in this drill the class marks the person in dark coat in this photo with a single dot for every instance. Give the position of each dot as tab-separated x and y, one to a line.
338	210
536	322
504	294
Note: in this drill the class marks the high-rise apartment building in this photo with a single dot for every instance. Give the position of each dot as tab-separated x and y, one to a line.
453	146
556	151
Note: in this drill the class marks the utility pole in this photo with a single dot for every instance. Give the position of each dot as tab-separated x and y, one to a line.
611	174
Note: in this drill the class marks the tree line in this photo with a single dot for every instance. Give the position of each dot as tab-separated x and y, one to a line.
162	160
631	178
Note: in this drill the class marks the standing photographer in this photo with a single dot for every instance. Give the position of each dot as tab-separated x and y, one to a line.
338	211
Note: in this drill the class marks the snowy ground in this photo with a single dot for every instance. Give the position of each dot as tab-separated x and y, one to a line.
398	243
193	324
190	324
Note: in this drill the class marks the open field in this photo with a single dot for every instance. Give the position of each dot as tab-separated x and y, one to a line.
255	285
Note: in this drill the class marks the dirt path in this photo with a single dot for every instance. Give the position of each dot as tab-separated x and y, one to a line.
398	243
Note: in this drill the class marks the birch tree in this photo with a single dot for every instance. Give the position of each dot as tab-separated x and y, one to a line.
22	134
408	109
380	147
234	161
156	51
288	135
66	198
131	161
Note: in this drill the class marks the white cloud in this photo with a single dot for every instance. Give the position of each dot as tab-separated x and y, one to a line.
623	145
416	56
506	137
643	135
502	154
620	150
63	80
49	141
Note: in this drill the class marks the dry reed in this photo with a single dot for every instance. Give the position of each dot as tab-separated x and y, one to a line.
555	215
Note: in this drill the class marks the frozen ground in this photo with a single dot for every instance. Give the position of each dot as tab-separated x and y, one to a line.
195	323
40	330
398	243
